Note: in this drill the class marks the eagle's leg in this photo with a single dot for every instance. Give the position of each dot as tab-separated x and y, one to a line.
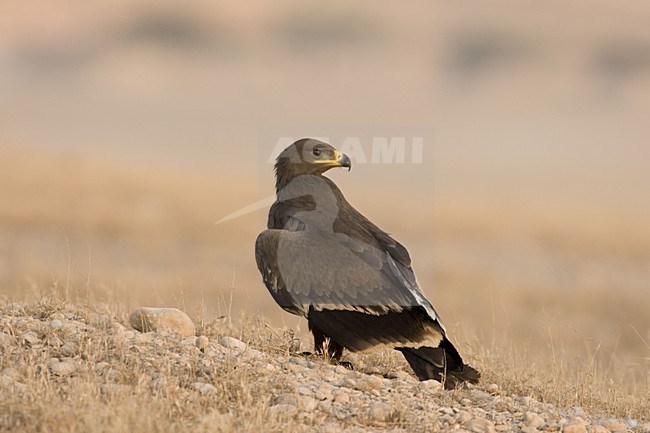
324	343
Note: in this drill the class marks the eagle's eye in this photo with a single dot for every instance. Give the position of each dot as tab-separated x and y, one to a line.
317	151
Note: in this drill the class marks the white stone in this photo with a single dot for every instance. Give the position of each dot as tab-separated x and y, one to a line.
202	342
283	410
531	419
6	339
232	343
62	368
380	411
207	388
68	349
29	337
117	328
56	324
308	403
479	425
148	319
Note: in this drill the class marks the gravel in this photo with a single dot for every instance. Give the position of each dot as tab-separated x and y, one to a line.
297	388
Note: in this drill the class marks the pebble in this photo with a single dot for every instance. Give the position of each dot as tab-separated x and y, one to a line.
145	338
6	339
614	425
10	372
380	411
531	419
146	319
463	416
308	403
599	429
325	406
29	337
283	410
56	324
68	350
286	399
232	343
202	342
117	328
575	425
341	396
204	388
62	368
313	395
479	425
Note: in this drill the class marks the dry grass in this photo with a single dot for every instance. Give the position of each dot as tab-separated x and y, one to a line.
541	313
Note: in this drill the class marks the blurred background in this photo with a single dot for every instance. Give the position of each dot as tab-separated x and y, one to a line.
127	129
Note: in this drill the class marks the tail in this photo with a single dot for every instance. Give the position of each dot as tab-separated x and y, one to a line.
442	363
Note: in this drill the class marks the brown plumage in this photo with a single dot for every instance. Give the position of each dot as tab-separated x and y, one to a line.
321	259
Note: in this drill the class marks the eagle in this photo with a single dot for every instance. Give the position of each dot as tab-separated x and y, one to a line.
322	259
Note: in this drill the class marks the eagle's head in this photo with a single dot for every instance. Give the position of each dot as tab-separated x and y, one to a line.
309	156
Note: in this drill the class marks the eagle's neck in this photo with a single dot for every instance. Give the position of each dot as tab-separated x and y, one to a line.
286	171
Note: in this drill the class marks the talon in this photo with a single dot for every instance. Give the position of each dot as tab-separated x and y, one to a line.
346	364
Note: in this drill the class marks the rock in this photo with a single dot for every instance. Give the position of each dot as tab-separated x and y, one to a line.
446	410
68	350
6	339
303	390
575	425
62	368
341	396
614	425
598	429
145	338
204	388
29	337
404	376
286	399
232	343
430	385
529	430
463	416
324	392
202	342
56	324
114	389
492	388
527	401
147	319
325	406
102	366
479	425
531	419
307	403
380	411
117	328
283	410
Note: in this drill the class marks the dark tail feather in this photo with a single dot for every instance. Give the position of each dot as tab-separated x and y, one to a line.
442	363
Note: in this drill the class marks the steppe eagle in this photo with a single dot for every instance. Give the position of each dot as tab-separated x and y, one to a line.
322	259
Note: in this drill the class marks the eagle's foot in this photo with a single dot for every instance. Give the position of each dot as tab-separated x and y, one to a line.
346	364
